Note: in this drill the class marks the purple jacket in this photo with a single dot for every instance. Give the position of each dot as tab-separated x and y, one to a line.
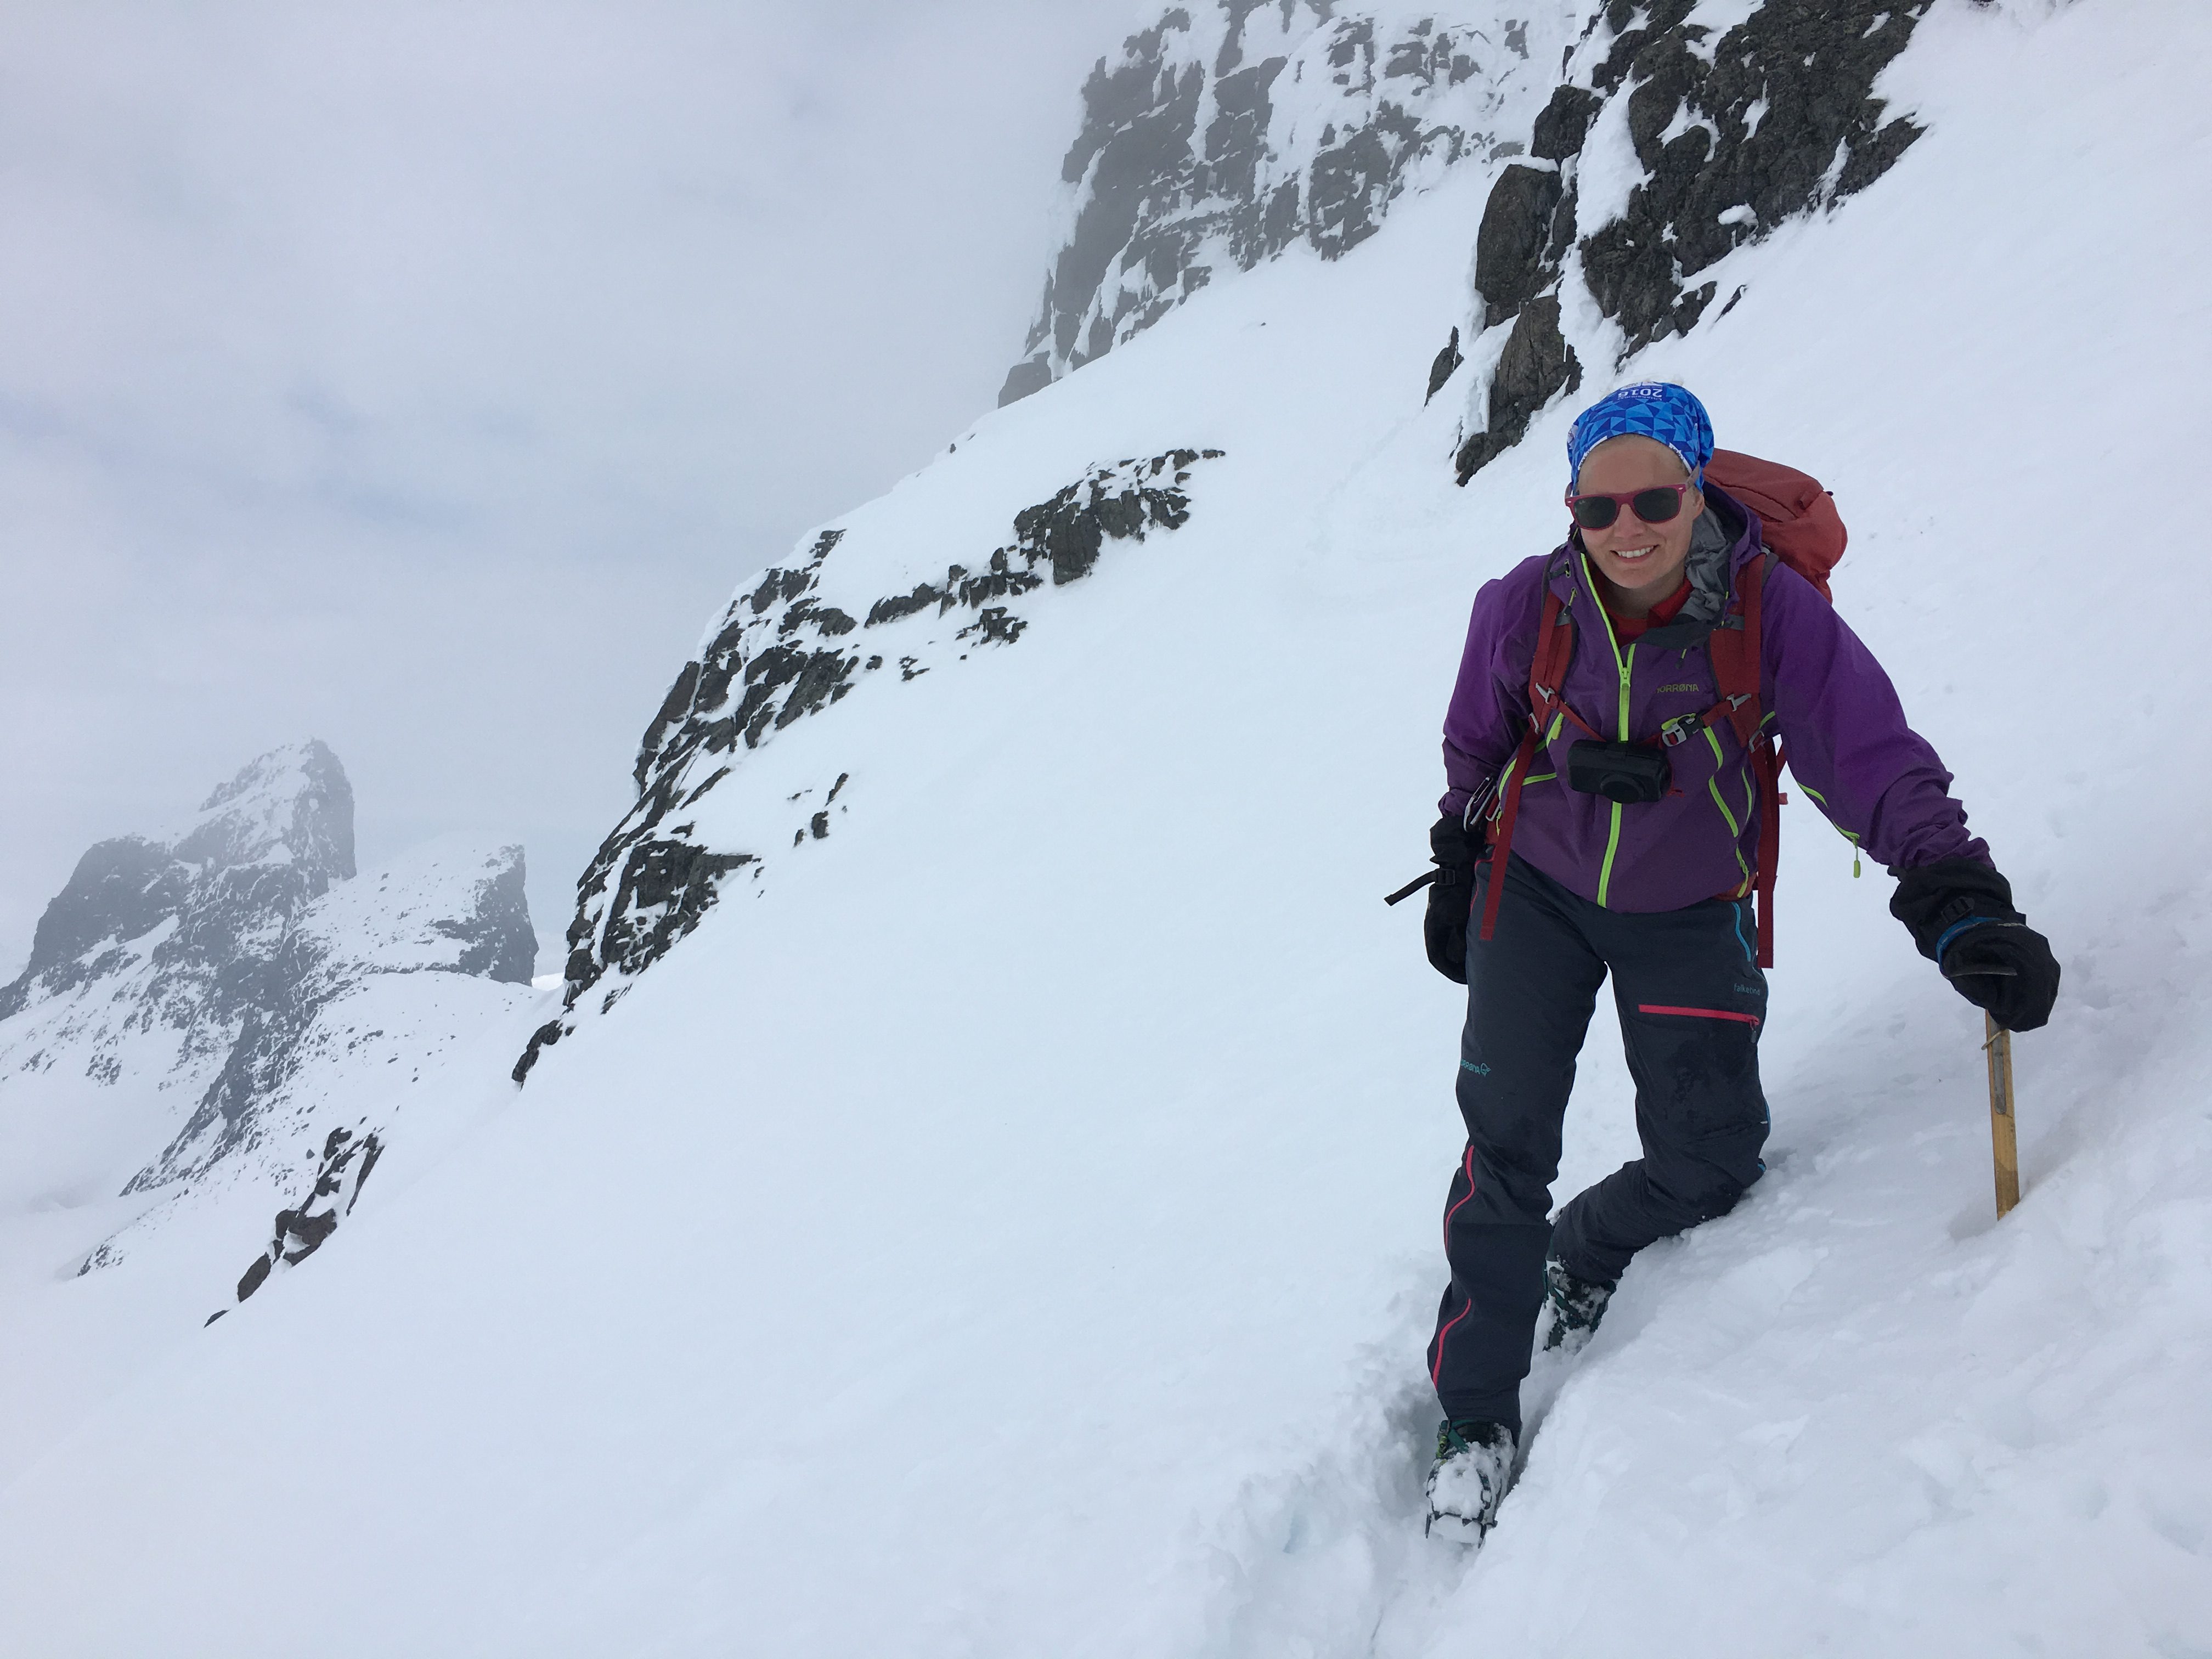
1834	709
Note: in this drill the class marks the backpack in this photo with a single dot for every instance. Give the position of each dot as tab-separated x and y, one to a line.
1799	526
1797	519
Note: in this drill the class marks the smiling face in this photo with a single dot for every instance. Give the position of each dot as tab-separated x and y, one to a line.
1640	563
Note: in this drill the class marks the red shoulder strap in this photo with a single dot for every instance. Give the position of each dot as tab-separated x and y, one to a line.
1555	640
1736	653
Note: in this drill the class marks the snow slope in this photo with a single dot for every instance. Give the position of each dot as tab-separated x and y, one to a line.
1008	1226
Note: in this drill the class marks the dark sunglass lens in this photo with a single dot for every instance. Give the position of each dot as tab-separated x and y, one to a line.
1596	511
1657	506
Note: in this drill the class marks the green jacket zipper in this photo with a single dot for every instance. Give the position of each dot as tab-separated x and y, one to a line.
1626	665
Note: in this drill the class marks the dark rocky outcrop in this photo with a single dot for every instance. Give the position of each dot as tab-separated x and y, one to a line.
1510	247
1444	366
1229	132
1116	503
301	1229
496	940
775	659
1560	130
1780	120
1775	119
1536	367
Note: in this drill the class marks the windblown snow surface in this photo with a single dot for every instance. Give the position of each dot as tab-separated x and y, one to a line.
1009	1226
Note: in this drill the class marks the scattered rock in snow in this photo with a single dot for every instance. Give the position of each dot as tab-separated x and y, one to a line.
300	1231
1444	365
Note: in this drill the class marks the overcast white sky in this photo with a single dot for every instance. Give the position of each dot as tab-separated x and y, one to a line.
421	375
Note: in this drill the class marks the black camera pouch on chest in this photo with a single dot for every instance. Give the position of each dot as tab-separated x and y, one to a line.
1629	773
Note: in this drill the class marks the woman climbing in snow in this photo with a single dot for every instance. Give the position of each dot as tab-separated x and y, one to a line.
1595	734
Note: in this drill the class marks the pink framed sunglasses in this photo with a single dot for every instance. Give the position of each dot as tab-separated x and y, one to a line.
1654	505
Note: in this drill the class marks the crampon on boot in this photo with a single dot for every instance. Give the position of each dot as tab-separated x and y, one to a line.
1468	1481
1572	1308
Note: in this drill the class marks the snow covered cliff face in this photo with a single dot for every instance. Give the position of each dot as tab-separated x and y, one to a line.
446	909
223	1033
1232	129
153	958
196	1001
797	641
1681	130
1651	141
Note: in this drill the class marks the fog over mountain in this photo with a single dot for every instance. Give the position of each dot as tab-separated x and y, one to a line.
360	353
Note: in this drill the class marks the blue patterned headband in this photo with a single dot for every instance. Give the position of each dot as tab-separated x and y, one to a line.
1649	408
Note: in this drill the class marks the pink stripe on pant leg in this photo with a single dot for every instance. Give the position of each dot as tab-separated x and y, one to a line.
1697	1013
1467	1169
1437	1370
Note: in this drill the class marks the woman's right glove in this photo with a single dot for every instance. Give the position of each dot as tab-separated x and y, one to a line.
1451	897
1961	914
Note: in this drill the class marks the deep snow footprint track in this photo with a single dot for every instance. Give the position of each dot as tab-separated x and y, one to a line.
1325	1559
1331	1559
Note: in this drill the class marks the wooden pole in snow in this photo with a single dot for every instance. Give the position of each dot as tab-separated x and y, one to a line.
2003	1141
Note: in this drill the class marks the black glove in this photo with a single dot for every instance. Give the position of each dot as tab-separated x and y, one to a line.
1960	914
1451	897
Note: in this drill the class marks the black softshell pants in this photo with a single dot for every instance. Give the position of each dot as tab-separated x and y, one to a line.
1692	1002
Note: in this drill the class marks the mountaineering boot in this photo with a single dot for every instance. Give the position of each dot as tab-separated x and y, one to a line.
1572	1308
1475	1462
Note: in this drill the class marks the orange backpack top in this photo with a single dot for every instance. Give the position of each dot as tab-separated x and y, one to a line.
1799	519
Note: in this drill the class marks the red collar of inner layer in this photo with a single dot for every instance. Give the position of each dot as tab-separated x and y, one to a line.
1626	628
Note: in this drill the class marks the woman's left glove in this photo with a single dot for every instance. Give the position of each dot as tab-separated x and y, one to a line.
1961	916
1451	897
